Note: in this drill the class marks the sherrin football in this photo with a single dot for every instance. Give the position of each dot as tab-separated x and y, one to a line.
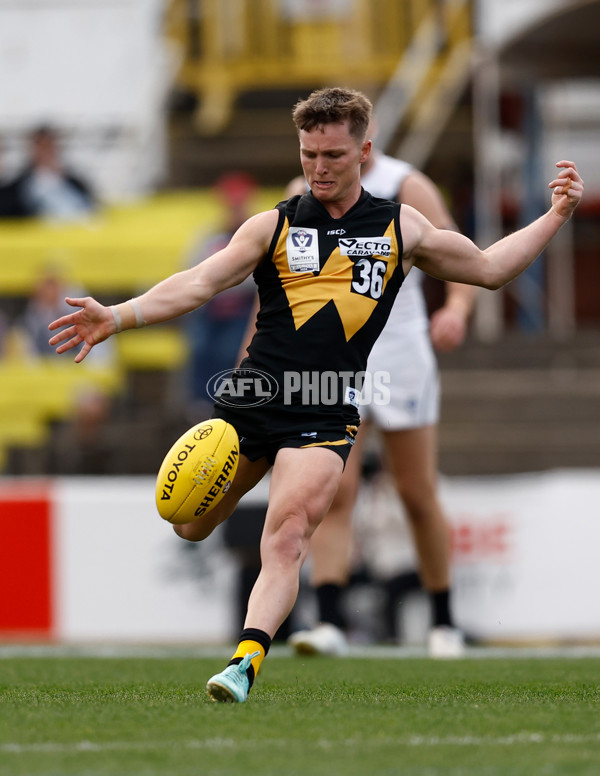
197	471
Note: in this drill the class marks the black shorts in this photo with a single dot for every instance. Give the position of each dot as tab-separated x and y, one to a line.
264	441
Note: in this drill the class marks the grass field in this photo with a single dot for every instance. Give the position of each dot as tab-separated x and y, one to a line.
144	715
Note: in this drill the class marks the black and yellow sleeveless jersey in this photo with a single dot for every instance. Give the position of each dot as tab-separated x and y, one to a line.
326	289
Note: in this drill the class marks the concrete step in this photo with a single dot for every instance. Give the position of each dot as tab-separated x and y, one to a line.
520	351
263	143
521	394
499	420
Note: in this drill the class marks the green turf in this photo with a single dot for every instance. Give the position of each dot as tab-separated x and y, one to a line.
139	716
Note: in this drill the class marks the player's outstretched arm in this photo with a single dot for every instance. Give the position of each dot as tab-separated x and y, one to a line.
178	294
450	256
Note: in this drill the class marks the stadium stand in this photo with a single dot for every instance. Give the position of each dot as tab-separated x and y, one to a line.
120	253
34	395
235	47
531	405
242	66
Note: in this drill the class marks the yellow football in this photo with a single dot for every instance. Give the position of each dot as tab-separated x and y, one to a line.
197	471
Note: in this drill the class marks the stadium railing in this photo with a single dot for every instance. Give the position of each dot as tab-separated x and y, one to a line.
229	48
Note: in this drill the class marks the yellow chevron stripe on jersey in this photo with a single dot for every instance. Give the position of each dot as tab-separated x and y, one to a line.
307	293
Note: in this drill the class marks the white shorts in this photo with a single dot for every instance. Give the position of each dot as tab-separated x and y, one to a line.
407	365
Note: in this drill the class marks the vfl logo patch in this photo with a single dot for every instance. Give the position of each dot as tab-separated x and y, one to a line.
352	396
365	246
302	248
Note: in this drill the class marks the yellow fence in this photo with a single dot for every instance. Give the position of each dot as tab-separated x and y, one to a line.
121	252
35	393
124	250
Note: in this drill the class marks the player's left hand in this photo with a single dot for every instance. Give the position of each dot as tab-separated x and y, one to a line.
447	328
567	189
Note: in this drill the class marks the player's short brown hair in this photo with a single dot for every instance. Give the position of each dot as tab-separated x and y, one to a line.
334	106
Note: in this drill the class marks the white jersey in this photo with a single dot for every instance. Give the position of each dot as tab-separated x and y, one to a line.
403	351
409	311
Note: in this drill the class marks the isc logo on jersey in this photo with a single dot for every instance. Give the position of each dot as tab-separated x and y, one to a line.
366	246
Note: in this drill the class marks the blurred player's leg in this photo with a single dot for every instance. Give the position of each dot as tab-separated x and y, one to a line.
412	458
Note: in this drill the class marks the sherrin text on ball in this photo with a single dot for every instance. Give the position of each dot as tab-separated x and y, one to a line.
197	471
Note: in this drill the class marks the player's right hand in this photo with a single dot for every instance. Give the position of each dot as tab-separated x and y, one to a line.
91	324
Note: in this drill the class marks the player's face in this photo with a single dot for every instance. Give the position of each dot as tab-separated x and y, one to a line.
331	160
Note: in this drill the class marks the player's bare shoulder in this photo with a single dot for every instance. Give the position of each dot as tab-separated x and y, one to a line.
250	243
258	229
413	226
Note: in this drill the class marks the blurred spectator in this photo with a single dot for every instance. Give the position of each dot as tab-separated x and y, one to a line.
45	304
46	301
86	448
9	202
45	188
215	331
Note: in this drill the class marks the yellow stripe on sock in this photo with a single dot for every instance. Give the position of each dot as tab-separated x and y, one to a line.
247	648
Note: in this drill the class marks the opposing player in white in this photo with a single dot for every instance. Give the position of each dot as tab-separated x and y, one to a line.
408	427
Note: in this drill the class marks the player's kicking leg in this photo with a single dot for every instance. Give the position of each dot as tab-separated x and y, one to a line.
303	484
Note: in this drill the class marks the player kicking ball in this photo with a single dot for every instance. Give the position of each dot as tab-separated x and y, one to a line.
328	266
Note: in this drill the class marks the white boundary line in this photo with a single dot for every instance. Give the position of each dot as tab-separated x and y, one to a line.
358	743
